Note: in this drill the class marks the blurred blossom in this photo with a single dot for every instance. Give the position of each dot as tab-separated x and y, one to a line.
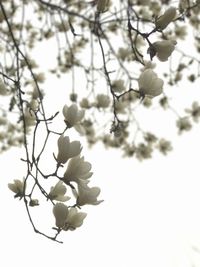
143	151
102	5
194	111
183	124
118	86
103	101
3	89
29	117
164	146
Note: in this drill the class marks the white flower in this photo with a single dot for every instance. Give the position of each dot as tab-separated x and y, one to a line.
68	219
3	89
164	49
60	212
163	21
67	149
58	191
74	219
72	115
87	195
17	187
77	169
149	83
103	101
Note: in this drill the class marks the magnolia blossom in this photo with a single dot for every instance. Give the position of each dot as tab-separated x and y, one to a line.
87	195
67	149
72	115
149	83
67	219
17	187
164	49
60	212
74	219
58	191
77	170
163	21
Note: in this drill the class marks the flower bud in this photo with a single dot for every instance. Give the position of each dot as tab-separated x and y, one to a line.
163	21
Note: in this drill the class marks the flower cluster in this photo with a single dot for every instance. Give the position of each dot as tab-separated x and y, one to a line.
78	171
72	187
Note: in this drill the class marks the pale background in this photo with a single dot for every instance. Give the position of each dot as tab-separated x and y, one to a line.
150	215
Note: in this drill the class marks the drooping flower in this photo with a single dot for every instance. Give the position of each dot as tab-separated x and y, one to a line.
149	83
60	212
58	191
72	115
164	49
67	149
87	195
17	187
163	21
77	170
74	219
68	219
